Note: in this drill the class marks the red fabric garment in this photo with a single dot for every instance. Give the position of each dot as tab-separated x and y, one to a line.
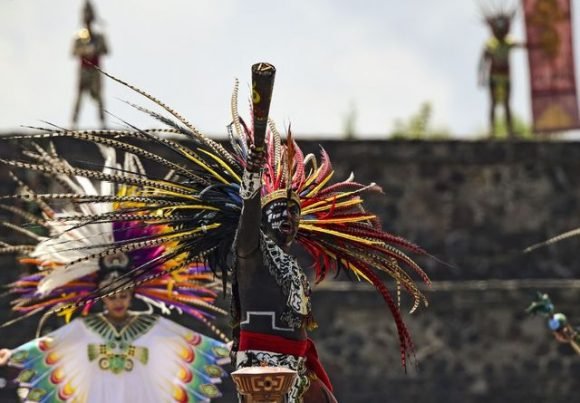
313	363
275	344
282	345
90	62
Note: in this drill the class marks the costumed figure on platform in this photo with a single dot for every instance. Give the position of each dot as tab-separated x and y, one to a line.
91	253
494	66
557	322
239	209
89	46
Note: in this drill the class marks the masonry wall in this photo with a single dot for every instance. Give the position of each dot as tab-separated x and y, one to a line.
475	206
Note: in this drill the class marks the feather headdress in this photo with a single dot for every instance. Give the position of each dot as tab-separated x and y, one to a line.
200	203
498	16
103	229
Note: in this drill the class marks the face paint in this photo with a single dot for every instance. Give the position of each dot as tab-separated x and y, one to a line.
500	27
280	220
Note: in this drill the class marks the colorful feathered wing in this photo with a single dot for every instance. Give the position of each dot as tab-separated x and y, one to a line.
151	359
97	220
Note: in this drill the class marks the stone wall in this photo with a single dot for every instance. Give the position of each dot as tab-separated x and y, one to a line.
475	206
471	345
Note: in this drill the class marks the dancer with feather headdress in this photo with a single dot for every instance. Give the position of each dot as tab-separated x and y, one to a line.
238	210
118	355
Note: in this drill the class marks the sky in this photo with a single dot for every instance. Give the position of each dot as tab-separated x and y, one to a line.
380	58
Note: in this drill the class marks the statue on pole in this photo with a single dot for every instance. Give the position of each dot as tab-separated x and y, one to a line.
89	46
494	66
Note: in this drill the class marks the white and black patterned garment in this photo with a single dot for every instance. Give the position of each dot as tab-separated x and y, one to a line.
273	291
271	295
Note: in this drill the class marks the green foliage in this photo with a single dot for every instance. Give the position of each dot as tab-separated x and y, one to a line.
522	129
419	126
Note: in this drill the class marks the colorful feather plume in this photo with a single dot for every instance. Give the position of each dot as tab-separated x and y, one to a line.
196	207
96	223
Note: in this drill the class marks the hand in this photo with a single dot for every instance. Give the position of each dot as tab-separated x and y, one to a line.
5	355
256	159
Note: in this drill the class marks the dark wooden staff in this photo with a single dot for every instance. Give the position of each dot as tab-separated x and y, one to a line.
263	75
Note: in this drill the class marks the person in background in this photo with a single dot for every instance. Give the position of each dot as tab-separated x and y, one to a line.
88	47
494	66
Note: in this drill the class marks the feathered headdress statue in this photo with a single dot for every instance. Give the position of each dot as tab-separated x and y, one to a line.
95	239
498	16
88	12
200	203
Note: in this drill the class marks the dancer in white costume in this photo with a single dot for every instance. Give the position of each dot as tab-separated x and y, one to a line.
120	357
117	355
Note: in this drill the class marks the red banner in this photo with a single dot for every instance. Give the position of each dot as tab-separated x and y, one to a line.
551	61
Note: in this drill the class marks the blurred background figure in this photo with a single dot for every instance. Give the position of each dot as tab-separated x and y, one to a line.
117	355
494	66
88	47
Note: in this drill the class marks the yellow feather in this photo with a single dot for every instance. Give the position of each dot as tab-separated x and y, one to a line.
349	265
340	220
338	234
320	185
169	193
327	204
170	209
313	175
204	166
223	164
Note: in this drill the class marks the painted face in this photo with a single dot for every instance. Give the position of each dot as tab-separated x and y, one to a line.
118	304
280	219
501	27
